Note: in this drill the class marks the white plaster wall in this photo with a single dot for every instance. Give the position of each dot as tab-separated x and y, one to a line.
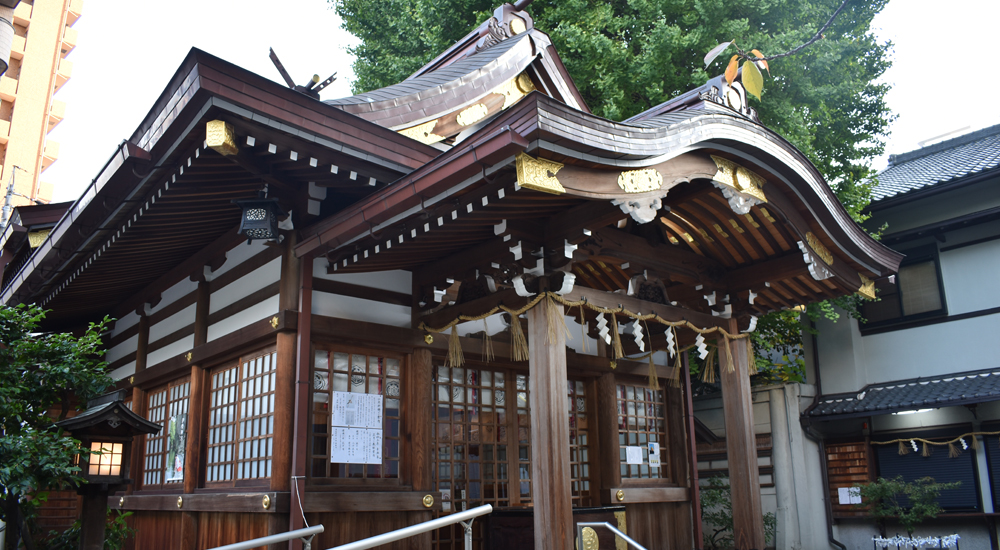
970	274
177	348
180	289
841	355
396	280
239	254
126	322
122	349
175	322
246	285
254	313
348	307
123	372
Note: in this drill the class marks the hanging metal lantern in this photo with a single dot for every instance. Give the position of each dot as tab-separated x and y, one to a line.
260	218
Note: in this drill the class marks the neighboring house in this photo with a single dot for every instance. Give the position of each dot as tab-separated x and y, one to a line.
317	374
923	366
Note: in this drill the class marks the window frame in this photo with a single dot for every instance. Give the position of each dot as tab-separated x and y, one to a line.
313	437
916	255
237	416
162	436
666	478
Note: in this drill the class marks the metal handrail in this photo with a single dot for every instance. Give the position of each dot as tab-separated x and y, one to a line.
305	534
405	532
613	529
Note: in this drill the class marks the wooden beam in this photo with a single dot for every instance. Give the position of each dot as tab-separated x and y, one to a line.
456	266
692	449
607	428
667	260
741	450
363	292
670	313
303	387
417	435
646	494
477	307
550	475
205	502
395	501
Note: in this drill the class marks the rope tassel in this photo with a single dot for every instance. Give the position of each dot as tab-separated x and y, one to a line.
708	370
953	451
654	380
487	343
903	449
456	358
517	340
617	350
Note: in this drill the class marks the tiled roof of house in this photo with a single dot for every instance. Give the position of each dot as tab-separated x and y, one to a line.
917	393
942	162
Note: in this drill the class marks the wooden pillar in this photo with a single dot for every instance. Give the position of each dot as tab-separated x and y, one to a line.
741	448
693	454
607	430
303	419
93	516
284	385
197	421
139	400
550	475
420	419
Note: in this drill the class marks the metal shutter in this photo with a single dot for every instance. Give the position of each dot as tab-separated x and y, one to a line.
938	466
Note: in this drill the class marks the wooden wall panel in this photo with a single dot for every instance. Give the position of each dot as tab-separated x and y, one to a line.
661	525
161	530
218	529
58	513
848	465
345	527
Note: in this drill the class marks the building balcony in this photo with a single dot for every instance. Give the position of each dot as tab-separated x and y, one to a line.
56	113
4	131
8	88
17	47
22	14
74	11
51	153
69	40
63	74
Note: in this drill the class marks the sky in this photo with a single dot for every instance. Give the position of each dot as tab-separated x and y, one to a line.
128	50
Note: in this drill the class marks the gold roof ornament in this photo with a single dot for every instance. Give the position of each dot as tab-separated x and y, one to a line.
640	181
221	137
867	289
748	185
822	251
424	133
539	174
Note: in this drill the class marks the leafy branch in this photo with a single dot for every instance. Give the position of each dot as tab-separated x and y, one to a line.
753	61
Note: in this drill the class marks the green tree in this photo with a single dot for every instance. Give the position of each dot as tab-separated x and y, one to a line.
717	515
909	503
42	375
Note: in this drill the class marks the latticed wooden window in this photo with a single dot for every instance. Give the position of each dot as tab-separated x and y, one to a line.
641	421
579	454
356	378
163	463
241	420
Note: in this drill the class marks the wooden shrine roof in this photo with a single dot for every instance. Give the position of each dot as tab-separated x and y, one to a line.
695	197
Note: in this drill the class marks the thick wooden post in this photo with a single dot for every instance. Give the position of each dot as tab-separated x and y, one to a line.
550	475
741	448
284	385
693	484
607	430
303	387
139	402
197	418
421	418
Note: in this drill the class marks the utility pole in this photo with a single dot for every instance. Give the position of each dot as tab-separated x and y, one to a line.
7	208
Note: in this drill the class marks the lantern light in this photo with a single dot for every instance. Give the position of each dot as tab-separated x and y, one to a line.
260	218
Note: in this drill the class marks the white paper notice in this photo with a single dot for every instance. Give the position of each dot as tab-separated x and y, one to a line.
356	410
633	455
654	455
849	495
356	428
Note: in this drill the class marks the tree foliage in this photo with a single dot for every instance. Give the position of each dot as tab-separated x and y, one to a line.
717	515
909	503
42	378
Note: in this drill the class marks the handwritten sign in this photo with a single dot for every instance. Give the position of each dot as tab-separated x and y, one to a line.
356	428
